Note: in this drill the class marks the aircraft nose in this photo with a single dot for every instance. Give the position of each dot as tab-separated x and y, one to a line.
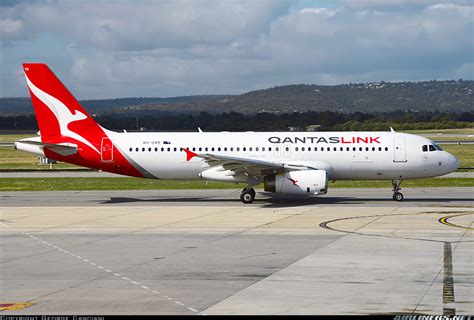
453	162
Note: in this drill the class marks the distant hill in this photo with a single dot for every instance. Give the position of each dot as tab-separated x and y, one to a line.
444	96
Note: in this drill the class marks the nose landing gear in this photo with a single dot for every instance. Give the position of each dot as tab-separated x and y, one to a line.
397	196
247	195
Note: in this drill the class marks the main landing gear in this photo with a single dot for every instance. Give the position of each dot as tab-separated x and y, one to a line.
247	195
397	196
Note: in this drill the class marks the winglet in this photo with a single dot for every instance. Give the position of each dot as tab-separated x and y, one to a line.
189	154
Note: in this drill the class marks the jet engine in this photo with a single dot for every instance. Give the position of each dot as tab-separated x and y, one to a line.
303	182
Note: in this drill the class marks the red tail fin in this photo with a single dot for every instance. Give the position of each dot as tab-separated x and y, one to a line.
63	122
59	114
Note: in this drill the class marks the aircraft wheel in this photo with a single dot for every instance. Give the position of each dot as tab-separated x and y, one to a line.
247	195
397	196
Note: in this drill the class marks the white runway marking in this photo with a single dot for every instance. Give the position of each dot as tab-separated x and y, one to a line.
102	268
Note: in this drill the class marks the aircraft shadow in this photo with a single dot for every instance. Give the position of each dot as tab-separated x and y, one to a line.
282	201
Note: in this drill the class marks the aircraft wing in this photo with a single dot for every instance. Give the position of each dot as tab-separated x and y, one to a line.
251	165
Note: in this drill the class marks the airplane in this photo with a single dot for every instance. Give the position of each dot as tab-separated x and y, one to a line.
288	163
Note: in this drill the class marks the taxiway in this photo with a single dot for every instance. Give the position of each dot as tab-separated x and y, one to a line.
354	251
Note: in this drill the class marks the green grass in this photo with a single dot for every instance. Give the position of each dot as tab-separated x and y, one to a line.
465	153
11	159
78	184
444	138
10	138
444	131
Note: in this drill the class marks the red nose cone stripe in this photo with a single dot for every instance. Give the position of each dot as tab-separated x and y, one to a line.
189	154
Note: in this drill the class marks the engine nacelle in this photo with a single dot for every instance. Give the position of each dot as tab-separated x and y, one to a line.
307	182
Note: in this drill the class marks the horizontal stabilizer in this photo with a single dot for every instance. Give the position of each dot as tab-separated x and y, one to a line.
64	149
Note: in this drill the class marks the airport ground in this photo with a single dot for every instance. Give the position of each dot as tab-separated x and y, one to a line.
201	251
353	251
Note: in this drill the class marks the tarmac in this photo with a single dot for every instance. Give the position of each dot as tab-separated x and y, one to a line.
353	251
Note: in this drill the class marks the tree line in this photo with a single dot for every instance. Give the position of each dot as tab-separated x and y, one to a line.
265	121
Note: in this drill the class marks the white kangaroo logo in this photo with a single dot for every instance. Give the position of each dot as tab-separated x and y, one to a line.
62	113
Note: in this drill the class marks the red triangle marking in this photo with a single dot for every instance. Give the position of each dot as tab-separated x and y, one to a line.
189	154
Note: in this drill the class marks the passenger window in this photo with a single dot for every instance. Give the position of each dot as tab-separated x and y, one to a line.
296	148
432	148
424	148
373	148
250	148
169	149
287	149
256	149
366	148
360	148
156	149
225	148
380	148
263	148
206	149
354	149
176	150
232	149
162	149
335	149
386	148
194	149
143	149
347	149
200	149
244	149
219	149
309	148
269	148
149	149
212	149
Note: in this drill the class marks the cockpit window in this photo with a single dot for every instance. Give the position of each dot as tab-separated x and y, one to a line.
432	147
437	147
425	148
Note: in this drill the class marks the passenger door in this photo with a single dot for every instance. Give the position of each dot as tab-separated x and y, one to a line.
399	149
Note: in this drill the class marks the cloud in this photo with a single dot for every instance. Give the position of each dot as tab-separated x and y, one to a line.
145	25
394	4
166	48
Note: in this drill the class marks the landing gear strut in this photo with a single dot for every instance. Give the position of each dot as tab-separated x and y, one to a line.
397	196
247	195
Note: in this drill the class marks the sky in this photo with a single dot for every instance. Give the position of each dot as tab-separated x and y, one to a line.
131	48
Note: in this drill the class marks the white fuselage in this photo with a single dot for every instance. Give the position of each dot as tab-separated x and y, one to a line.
345	155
